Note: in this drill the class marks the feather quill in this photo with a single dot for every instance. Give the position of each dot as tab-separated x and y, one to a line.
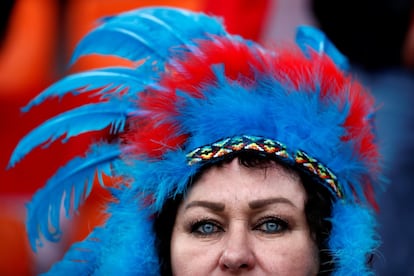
71	185
113	79
87	118
147	33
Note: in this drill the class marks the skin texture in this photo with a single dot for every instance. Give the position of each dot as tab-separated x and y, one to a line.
239	220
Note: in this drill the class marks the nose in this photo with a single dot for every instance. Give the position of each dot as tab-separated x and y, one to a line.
238	253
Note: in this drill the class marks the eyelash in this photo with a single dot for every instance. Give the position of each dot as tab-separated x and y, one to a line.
196	226
281	224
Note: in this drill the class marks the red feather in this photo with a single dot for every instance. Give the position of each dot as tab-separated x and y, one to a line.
291	67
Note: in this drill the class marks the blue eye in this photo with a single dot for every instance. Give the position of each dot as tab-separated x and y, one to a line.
205	228
272	225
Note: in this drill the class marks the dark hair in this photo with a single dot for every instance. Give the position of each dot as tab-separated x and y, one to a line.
317	209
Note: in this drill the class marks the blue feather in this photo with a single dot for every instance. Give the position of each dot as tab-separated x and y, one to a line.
182	25
90	117
307	36
82	257
147	33
120	41
71	184
353	237
127	234
114	79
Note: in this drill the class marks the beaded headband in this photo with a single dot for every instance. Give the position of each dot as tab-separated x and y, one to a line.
271	148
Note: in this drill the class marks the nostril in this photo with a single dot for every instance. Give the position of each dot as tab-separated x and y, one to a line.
244	266
236	267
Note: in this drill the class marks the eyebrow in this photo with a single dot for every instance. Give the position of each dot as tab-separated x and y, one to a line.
255	204
215	206
260	203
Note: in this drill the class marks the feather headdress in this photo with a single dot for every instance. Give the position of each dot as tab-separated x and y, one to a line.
197	94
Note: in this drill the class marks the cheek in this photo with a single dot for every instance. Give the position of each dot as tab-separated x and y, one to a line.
178	254
295	256
191	258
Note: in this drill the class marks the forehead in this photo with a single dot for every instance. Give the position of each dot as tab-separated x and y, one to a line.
236	182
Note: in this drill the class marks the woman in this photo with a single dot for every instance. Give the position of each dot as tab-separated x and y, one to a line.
226	157
246	214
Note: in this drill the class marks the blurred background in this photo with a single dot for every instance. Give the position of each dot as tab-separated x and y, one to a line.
38	37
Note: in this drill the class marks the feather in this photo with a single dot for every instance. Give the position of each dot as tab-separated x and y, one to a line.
82	257
147	33
71	184
307	36
90	117
353	237
114	79
127	234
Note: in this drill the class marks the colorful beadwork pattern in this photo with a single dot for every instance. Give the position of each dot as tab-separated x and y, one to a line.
268	146
316	168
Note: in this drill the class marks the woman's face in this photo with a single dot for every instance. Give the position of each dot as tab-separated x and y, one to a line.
238	220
